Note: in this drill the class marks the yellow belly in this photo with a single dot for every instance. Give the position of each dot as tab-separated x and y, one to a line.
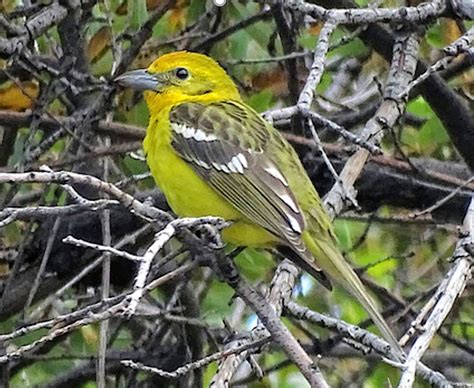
189	196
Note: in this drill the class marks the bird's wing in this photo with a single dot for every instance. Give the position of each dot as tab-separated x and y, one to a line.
224	143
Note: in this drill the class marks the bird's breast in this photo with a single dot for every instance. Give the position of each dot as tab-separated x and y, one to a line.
190	196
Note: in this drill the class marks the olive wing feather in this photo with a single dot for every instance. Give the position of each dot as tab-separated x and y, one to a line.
224	143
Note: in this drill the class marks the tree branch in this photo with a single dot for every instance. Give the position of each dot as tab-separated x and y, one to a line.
447	293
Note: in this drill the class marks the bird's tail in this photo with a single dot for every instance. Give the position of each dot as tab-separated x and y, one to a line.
330	260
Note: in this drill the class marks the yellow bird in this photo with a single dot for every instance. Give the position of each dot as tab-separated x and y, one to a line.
213	155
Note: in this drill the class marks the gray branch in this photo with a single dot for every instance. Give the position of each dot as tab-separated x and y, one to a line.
421	13
35	27
445	297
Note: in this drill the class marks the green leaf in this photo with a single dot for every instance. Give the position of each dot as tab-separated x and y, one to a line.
254	263
216	304
307	40
196	9
382	376
433	134
354	48
209	374
344	306
135	166
348	232
138	114
18	148
326	80
420	107
238	44
137	12
434	36
50	194
261	101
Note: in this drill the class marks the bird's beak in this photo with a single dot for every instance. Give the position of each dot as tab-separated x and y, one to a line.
139	79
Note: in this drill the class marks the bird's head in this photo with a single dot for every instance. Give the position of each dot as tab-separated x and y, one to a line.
181	76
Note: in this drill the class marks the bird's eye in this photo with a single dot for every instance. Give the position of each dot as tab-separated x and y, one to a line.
182	73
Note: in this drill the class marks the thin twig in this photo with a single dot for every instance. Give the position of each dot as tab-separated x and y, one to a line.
348	195
101	248
280	58
11	214
72	321
105	283
44	262
185	369
442	201
130	238
161	239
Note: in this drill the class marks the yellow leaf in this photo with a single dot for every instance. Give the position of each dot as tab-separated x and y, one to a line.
4	270
99	44
13	97
274	79
315	28
466	81
177	18
89	333
122	9
150	5
450	31
7	5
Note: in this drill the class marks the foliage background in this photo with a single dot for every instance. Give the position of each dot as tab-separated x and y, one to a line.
404	253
